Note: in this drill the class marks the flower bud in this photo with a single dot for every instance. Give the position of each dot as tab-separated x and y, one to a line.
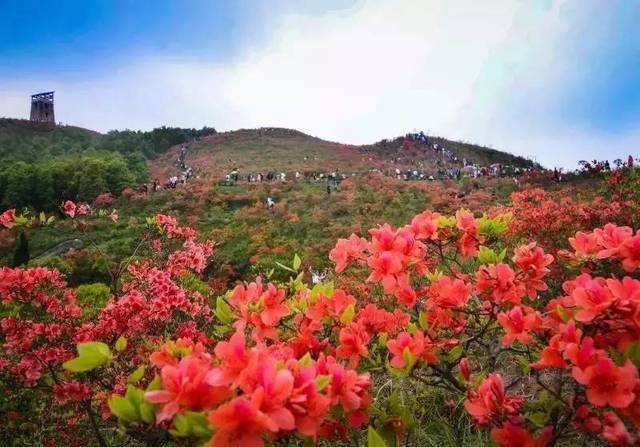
465	368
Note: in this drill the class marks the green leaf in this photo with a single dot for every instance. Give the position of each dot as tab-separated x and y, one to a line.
446	222
382	339
422	320
328	289
488	256
455	353
91	355
434	276
284	267
322	381
191	424
146	413
79	364
155	384
374	439
122	408
224	311
305	360
408	358
495	226
296	262
121	344
562	313
539	419
94	349
633	353
348	314
138	374
144	410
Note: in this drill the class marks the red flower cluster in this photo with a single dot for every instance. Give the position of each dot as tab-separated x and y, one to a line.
610	241
7	218
45	338
269	361
250	393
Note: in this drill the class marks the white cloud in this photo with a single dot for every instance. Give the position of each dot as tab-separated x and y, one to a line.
374	71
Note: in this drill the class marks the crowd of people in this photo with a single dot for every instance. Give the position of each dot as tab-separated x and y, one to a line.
444	165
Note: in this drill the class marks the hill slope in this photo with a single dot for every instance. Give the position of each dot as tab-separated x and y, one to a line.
286	150
27	141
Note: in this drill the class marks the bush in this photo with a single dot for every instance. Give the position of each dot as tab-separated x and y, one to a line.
53	263
92	298
446	330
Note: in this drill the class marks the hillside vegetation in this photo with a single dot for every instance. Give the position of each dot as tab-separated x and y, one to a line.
305	220
43	164
287	150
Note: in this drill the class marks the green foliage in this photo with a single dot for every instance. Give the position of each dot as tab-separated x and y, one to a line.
348	314
137	375
493	227
149	144
487	255
192	283
92	297
121	344
223	311
89	269
374	439
21	254
44	184
44	165
53	262
132	407
91	355
633	353
191	424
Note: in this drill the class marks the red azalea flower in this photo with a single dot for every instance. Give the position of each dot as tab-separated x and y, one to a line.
416	344
184	387
608	384
519	324
448	293
490	402
592	298
7	219
69	208
353	343
512	435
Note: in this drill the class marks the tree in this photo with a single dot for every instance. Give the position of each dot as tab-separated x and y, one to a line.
21	254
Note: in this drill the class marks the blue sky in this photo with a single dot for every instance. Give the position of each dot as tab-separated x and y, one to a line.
556	80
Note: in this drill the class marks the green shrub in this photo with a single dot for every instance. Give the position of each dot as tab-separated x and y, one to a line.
192	283
53	262
92	298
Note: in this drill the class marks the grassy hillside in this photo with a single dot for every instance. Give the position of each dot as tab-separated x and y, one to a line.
286	150
305	220
27	141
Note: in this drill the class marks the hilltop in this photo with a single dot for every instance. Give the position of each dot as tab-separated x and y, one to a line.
263	149
287	150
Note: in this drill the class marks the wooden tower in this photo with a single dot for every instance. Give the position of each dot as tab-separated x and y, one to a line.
42	108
